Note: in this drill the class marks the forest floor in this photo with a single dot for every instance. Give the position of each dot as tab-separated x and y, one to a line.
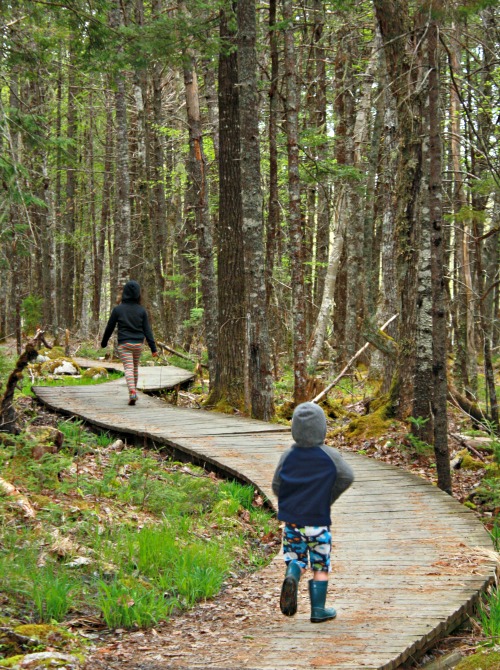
206	627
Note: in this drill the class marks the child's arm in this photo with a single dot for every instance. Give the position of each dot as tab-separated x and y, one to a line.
148	333
345	474
109	328
276	478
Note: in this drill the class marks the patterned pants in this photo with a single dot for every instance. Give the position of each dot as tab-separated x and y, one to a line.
313	543
129	355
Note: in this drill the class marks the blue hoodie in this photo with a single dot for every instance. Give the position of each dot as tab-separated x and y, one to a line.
310	476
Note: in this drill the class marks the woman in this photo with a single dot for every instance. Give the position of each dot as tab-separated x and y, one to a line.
133	328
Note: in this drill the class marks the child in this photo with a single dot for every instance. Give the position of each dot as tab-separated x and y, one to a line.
308	479
133	327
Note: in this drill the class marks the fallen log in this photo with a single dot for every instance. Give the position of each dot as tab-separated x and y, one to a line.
470	408
162	345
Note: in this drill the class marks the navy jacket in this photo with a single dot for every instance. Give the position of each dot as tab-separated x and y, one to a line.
131	318
310	476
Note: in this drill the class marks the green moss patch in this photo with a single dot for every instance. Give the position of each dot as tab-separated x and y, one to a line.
483	660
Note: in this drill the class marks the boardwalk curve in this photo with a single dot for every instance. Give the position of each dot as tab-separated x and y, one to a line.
408	561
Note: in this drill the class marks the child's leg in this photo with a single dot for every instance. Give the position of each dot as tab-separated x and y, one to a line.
137	357
319	545
126	353
295	553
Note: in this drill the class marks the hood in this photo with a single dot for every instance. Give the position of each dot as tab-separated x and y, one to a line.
131	292
309	425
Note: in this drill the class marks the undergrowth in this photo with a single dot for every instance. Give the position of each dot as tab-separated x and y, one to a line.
125	535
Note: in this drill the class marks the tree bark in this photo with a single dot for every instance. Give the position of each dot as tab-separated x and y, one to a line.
259	358
197	173
294	216
229	383
68	262
439	313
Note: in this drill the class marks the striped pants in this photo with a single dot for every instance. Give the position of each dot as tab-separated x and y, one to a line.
129	355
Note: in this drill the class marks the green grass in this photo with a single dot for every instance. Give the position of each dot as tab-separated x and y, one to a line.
146	536
489	616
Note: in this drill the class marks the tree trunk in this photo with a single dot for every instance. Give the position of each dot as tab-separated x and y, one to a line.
382	366
439	313
327	301
294	216
68	262
259	358
229	384
197	173
461	311
274	206
394	22
122	247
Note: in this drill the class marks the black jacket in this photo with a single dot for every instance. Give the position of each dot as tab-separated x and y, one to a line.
132	319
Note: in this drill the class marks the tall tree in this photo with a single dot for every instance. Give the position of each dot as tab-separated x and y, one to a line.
198	177
230	375
259	359
296	249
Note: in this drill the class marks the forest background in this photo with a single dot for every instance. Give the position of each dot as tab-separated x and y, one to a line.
281	178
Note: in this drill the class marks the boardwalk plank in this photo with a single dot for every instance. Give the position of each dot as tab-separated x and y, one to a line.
407	559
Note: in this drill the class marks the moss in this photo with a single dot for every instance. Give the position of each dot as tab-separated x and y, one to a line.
11	662
90	373
374	424
55	352
51	366
285	410
470	504
41	631
482	660
492	469
371	425
382	405
469	463
332	409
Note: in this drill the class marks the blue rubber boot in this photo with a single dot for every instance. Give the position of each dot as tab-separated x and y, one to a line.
288	598
317	593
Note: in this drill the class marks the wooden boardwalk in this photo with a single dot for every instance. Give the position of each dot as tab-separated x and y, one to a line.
409	562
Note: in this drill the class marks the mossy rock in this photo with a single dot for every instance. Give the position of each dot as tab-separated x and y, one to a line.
382	406
332	409
92	373
45	435
469	463
482	660
44	632
54	353
285	410
49	367
11	662
370	425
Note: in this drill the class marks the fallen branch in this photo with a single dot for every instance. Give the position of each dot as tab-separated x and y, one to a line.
356	355
470	408
19	499
468	446
162	345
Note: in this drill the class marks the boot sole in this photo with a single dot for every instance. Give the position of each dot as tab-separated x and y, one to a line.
288	599
329	618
